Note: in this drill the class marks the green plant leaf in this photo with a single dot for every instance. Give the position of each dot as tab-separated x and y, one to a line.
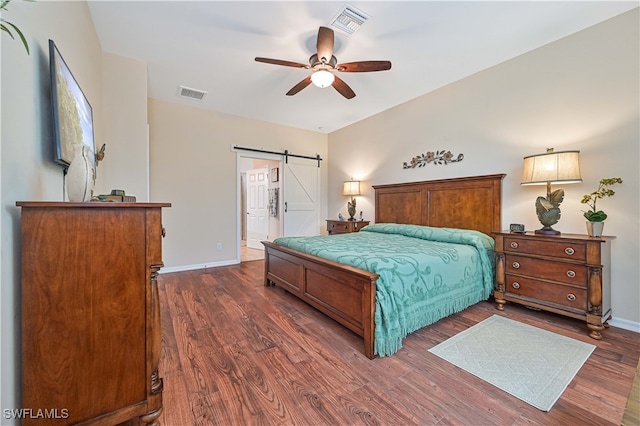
5	29
598	216
4	25
17	30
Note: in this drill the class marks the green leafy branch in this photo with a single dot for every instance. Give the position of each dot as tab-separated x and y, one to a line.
10	28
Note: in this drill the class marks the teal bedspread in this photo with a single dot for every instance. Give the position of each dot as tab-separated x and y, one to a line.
425	273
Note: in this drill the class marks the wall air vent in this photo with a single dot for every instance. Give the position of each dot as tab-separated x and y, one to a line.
349	19
187	92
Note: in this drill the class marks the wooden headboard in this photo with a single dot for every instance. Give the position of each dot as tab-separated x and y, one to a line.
469	202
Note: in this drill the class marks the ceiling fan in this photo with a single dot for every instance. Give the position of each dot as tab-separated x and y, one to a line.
324	65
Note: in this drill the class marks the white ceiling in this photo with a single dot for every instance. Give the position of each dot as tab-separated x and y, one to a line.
211	46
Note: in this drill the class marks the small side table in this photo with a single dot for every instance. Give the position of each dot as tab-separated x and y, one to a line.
345	226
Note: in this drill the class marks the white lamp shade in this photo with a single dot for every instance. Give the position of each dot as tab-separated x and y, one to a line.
551	167
351	187
322	78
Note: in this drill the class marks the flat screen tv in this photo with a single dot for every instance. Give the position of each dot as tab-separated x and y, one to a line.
72	113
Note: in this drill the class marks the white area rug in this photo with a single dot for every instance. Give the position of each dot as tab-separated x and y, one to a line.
532	364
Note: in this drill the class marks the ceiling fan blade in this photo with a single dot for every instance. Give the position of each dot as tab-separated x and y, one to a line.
281	62
298	87
343	88
325	44
364	66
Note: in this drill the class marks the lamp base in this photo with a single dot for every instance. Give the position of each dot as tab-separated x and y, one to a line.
546	230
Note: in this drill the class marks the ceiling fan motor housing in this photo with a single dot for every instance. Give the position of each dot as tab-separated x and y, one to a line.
317	63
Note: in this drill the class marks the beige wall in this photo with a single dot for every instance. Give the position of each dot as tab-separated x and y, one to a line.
194	168
126	163
578	93
28	171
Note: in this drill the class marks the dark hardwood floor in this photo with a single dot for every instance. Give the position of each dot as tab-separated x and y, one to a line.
238	353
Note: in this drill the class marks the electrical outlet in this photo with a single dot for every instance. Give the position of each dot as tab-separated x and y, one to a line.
219	246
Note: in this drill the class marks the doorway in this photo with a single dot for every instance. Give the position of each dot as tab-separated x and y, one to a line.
259	199
257	223
299	178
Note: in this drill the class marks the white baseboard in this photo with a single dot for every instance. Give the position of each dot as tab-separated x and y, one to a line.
627	325
198	266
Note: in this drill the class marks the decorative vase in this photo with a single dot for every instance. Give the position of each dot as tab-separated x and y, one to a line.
594	229
79	179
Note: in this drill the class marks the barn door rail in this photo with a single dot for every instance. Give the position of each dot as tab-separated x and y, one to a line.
285	153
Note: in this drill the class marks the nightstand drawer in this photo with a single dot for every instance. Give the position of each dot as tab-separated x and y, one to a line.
338	227
557	271
345	226
563	295
560	249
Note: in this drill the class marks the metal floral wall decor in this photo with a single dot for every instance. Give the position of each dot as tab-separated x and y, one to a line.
435	157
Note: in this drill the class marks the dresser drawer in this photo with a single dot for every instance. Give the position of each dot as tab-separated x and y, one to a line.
573	250
559	294
569	273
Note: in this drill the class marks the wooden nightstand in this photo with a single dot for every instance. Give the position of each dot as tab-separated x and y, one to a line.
345	226
567	274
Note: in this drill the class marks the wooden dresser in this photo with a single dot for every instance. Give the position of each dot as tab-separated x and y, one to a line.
91	336
345	226
567	274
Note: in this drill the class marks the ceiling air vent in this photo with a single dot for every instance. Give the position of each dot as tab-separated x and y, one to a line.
190	93
349	19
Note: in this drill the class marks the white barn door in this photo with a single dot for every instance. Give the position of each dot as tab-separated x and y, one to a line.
301	212
257	213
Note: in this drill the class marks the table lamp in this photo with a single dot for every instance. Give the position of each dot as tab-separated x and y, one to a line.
351	188
551	167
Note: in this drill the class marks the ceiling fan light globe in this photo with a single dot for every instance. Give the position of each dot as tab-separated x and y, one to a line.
322	78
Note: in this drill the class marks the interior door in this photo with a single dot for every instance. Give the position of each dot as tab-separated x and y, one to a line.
301	180
257	212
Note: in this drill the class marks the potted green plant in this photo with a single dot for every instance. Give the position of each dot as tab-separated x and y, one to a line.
594	216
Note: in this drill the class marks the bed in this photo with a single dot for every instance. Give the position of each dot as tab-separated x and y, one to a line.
346	293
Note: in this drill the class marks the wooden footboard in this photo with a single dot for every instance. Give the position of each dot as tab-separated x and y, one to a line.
342	292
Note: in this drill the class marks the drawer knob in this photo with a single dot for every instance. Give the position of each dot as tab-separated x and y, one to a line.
515	284
164	232
569	251
571	274
571	297
514	244
515	265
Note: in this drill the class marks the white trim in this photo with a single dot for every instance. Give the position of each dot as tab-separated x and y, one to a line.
148	166
625	324
199	266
